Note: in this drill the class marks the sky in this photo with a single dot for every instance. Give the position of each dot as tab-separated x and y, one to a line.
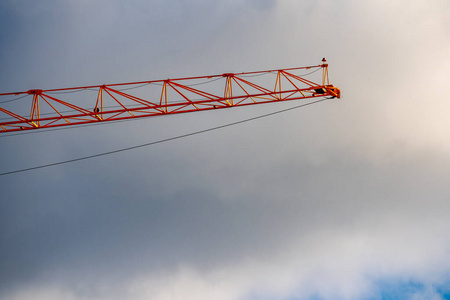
344	199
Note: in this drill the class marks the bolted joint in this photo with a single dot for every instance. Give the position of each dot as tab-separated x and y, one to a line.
35	92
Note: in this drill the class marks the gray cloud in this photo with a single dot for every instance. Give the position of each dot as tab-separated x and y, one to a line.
324	201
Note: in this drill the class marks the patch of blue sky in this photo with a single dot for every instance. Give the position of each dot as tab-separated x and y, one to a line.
393	290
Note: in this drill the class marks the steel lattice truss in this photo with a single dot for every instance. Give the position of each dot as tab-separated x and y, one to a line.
111	102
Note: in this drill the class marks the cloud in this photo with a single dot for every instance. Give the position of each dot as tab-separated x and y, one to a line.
327	202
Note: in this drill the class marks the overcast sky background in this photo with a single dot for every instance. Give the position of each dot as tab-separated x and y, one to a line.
346	199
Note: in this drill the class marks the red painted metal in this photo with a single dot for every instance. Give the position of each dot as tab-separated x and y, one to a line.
158	97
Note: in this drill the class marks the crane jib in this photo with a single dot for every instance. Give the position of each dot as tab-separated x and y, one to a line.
41	108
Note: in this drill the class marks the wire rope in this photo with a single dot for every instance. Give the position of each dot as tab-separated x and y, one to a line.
70	92
161	141
134	87
11	100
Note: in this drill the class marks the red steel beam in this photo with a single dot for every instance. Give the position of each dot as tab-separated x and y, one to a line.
172	96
